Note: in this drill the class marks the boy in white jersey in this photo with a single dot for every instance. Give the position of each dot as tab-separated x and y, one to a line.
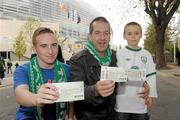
129	106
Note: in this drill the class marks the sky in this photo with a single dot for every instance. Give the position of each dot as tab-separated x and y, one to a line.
120	12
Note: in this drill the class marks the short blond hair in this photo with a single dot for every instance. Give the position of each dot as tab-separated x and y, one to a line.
39	31
132	23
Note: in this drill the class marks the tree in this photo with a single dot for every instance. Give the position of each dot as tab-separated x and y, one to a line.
149	42
58	37
63	42
161	12
19	47
29	27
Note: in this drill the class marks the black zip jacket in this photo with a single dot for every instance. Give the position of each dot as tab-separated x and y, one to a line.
84	67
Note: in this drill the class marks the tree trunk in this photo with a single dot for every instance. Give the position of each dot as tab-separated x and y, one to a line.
160	41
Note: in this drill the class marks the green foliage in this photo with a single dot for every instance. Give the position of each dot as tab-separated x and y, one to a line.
29	27
149	42
23	40
168	43
58	37
161	12
19	47
25	36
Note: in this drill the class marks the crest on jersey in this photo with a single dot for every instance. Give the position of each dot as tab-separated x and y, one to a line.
144	59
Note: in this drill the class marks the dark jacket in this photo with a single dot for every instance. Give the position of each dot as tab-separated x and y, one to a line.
84	67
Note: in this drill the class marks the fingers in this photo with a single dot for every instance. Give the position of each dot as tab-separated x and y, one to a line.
149	102
50	86
47	94
105	88
145	93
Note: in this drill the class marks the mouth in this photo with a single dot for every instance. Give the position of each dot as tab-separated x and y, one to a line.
50	57
102	44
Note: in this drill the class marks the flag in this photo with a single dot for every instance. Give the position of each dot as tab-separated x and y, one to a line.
62	7
72	15
78	18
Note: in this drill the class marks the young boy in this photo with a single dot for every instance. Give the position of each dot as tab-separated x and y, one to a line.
129	106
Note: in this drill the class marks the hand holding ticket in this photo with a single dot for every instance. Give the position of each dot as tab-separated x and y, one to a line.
117	74
136	74
70	91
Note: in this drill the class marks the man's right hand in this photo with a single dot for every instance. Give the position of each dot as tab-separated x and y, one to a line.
105	88
46	94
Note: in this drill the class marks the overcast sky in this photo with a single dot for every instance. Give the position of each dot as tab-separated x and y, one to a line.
119	12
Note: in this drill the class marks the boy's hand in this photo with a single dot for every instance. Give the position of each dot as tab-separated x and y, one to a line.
149	102
145	93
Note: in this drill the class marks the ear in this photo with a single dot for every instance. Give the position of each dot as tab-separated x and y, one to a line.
34	49
90	37
124	37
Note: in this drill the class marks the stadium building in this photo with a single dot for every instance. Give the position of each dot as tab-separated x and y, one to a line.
70	18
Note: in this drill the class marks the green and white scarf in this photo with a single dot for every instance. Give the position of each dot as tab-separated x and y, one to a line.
36	80
102	61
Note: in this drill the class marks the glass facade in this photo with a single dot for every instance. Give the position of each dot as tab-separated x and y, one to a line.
71	16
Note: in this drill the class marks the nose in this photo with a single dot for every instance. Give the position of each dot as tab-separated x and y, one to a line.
102	36
50	49
133	35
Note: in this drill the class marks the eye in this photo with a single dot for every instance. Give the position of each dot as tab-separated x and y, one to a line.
129	33
106	33
54	44
137	33
97	33
43	45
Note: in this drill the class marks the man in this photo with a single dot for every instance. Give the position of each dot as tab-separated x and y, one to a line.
86	66
9	66
32	81
178	56
2	69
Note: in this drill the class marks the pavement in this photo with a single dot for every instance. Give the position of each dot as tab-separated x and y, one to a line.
7	81
172	70
8	114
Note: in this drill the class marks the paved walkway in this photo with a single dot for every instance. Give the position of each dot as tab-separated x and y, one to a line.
171	71
7	81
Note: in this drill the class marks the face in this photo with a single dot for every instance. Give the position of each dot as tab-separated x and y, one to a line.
46	49
133	35
100	36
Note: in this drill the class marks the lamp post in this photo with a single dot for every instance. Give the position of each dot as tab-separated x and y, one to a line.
176	34
174	44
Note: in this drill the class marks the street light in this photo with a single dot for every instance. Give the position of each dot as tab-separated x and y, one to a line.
176	35
177	32
174	44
